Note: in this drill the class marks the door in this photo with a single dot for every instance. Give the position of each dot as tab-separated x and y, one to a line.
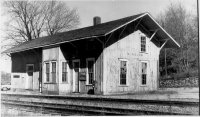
76	66
29	79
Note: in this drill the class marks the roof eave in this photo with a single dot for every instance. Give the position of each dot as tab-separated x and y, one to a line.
10	51
177	45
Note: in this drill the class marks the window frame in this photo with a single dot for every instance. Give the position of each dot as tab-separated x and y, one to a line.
142	73
141	36
27	71
45	68
67	72
120	60
87	74
50	72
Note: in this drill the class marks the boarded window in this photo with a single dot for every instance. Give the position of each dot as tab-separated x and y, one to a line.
53	73
90	65
16	76
47	72
64	72
143	44
144	73
123	72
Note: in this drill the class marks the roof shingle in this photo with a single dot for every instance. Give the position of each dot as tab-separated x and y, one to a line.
97	30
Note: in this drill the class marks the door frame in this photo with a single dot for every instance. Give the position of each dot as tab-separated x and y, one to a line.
27	65
73	76
94	68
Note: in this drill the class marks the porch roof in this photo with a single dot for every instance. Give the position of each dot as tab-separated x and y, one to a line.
89	32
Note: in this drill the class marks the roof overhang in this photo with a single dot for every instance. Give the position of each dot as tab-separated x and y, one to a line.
153	26
147	21
47	45
162	34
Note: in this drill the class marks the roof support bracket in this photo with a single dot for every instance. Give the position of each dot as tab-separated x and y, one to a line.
122	31
99	40
72	44
138	23
153	34
145	29
134	29
109	38
164	44
8	54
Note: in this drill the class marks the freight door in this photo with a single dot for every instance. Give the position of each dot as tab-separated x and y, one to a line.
29	79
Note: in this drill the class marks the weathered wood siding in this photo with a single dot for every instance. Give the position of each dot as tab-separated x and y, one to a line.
19	62
49	55
67	86
82	50
129	48
21	59
16	82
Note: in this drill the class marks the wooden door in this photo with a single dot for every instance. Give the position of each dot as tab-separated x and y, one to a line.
76	75
29	79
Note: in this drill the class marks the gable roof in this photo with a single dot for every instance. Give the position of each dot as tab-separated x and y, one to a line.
73	35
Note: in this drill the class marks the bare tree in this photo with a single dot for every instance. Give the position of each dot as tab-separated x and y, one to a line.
179	23
60	18
33	19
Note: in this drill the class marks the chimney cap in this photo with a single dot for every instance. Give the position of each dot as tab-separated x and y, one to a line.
96	20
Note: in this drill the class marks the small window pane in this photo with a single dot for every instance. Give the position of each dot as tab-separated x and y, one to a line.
90	65
144	73
30	68
47	72
143	44
53	73
123	72
143	79
64	72
54	67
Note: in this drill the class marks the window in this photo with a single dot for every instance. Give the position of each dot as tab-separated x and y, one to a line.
143	44
29	69
50	71
53	73
123	72
47	72
90	66
64	72
144	73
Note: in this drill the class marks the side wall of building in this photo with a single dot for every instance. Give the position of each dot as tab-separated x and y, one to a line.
129	49
19	74
50	55
81	51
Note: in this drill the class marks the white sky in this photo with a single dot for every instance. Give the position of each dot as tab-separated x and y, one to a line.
108	10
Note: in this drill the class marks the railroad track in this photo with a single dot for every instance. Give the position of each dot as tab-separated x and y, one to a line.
104	106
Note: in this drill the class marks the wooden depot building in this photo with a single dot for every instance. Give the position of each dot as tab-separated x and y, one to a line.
120	56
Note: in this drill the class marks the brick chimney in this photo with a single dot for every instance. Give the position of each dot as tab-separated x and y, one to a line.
96	20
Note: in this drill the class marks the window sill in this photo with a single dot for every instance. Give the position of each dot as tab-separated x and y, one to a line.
123	85
143	85
64	83
50	83
143	52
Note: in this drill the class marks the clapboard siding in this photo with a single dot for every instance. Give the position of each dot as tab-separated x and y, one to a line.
129	48
49	55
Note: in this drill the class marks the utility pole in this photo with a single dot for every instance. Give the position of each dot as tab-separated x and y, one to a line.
165	63
198	46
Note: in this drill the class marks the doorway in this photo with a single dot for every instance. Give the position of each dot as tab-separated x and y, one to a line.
29	79
76	67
